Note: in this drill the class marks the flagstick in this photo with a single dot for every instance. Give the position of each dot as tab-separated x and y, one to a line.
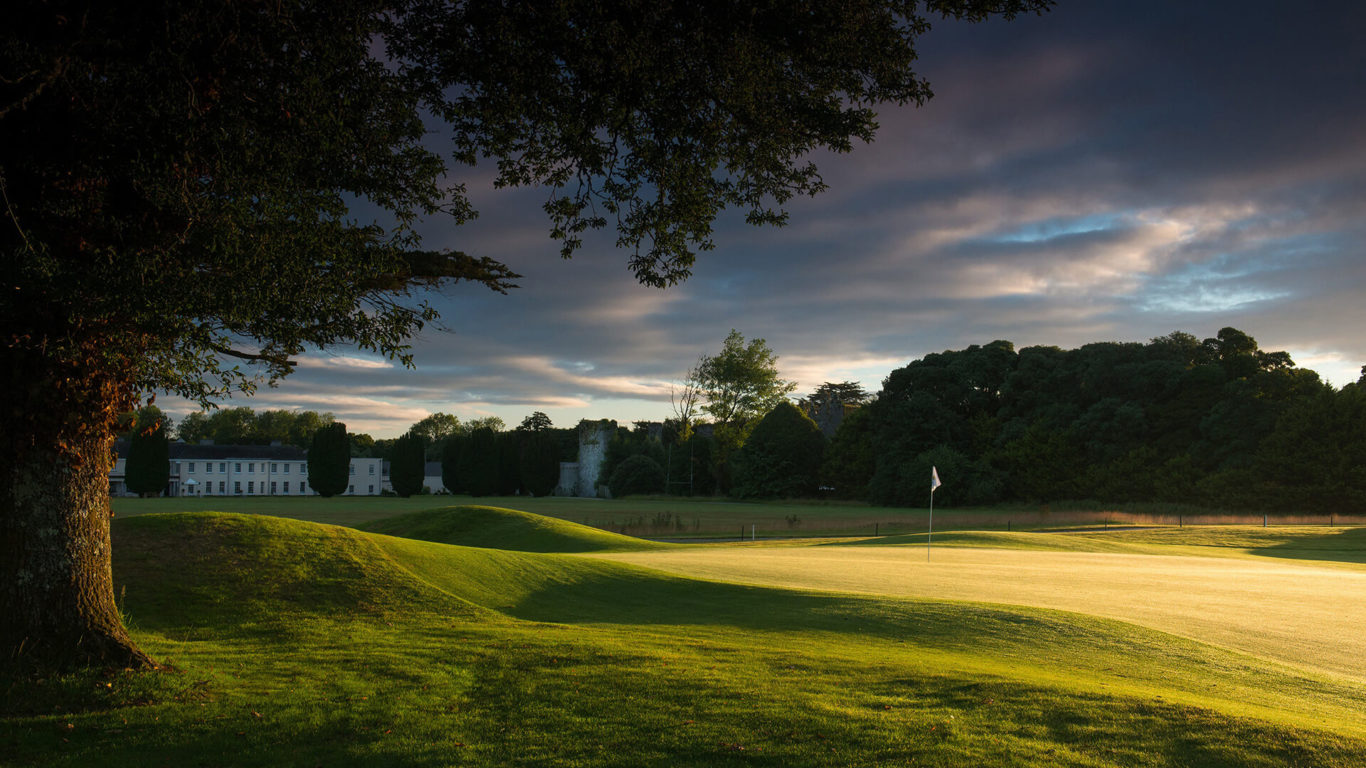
929	538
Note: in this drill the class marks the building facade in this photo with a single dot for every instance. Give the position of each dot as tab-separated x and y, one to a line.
206	469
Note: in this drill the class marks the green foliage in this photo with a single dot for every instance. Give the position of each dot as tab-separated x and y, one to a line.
626	443
509	445
540	462
478	467
636	475
148	468
407	467
452	450
536	422
244	426
782	457
849	459
329	460
1175	419
741	382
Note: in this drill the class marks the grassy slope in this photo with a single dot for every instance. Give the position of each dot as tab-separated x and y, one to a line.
507	529
301	644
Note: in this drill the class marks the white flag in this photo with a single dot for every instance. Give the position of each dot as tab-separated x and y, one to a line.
934	479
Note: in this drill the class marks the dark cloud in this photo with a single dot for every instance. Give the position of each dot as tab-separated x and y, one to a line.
1112	170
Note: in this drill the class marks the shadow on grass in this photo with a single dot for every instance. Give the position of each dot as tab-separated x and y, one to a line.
1342	545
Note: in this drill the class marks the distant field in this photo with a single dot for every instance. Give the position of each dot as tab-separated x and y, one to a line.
477	636
718	518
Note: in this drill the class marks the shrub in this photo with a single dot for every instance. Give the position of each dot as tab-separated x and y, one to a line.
637	474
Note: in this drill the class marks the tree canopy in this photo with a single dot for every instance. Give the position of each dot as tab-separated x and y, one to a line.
196	193
741	382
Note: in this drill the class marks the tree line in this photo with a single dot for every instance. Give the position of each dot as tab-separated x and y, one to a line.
1217	422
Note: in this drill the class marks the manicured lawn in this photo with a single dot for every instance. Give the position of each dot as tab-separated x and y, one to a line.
300	644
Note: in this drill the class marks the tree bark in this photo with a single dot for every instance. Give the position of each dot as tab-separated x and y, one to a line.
56	584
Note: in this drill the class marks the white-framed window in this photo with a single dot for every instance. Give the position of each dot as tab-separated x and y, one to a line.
251	466
237	466
303	487
251	486
286	467
272	467
272	487
237	487
350	489
221	485
372	490
303	467
192	466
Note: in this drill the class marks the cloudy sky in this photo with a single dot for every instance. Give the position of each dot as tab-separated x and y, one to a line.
1112	171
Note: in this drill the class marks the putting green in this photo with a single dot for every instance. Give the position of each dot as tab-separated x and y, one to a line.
1292	612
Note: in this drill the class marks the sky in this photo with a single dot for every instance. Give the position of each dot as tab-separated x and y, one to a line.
1110	171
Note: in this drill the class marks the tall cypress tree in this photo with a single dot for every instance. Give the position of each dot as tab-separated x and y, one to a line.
451	451
479	463
408	464
540	465
329	460
148	468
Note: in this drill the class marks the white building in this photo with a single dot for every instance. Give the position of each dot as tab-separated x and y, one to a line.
246	470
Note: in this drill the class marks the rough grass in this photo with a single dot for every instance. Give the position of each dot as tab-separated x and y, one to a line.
506	529
302	644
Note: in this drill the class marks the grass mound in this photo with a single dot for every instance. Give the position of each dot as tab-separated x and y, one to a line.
214	572
507	529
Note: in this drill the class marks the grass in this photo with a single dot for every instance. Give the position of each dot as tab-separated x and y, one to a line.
298	643
704	518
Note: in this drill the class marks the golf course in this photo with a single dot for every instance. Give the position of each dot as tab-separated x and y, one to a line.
473	635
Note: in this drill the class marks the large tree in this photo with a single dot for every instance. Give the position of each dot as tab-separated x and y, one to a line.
195	192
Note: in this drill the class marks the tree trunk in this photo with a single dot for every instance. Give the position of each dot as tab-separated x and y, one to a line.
56	585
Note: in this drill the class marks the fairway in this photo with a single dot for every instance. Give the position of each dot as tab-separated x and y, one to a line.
1292	612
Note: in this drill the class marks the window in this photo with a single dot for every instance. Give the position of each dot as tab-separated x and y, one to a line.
272	467
303	487
350	489
175	467
372	468
237	487
251	466
251	486
286	467
237	466
192	466
372	488
208	489
221	484
272	487
303	468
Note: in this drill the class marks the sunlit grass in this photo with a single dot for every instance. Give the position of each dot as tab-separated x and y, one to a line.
300	644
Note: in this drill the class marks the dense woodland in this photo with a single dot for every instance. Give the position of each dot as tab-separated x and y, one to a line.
1217	422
